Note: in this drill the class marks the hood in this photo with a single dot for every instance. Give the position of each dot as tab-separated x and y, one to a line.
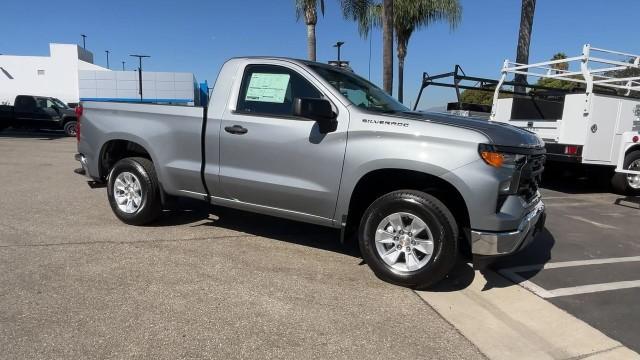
499	133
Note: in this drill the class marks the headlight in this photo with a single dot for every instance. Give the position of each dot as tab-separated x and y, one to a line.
500	159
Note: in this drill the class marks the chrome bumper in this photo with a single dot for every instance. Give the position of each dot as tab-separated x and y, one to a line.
502	243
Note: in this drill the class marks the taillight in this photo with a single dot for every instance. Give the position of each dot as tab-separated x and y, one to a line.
78	111
571	150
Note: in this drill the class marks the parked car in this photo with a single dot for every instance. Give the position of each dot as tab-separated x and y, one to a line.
38	113
315	143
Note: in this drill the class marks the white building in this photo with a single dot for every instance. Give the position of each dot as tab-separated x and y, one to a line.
55	75
69	74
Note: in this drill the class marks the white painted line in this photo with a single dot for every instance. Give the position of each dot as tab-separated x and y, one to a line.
603	226
574	196
587	289
563	264
559	204
613	214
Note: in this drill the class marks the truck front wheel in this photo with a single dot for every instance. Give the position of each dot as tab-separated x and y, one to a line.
628	184
409	238
133	191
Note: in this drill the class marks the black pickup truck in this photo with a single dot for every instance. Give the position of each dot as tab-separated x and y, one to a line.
38	112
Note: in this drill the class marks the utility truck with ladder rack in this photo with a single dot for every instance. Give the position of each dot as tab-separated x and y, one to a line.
596	123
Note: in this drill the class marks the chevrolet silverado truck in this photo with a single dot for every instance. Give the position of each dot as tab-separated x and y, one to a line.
315	143
38	113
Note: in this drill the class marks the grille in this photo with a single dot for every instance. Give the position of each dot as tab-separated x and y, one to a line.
531	176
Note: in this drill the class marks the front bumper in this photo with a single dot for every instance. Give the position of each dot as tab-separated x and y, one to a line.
503	243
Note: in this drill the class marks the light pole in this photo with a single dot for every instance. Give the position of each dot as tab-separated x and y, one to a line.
84	43
339	45
107	51
140	72
123	66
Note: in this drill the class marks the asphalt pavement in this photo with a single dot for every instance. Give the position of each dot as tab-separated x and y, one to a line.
587	261
202	283
208	282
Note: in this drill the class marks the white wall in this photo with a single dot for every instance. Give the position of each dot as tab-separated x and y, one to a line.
60	77
178	88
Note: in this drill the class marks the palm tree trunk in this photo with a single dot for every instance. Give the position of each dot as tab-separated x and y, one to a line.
311	42
387	46
400	77
524	39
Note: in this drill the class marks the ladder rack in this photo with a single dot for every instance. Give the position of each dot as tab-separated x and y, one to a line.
594	71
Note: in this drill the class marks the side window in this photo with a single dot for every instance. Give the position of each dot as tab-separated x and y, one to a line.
25	103
271	90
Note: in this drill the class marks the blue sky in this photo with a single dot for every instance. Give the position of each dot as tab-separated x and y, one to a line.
197	36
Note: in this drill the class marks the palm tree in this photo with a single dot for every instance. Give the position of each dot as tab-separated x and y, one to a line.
409	15
309	9
368	13
524	39
387	45
560	67
413	14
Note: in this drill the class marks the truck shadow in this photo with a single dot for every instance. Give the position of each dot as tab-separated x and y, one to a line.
192	213
574	180
535	256
35	134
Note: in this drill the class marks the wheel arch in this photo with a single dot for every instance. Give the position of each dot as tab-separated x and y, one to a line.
378	182
631	149
116	149
67	119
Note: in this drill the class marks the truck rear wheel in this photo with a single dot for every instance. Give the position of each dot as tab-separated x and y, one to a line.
70	128
627	184
133	191
409	238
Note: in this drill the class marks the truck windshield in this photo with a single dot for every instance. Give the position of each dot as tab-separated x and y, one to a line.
359	91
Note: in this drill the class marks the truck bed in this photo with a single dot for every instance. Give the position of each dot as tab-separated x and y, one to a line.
174	131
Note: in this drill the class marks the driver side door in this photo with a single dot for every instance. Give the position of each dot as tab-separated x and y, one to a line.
273	162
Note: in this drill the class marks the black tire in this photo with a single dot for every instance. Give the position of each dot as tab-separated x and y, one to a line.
70	128
150	207
619	181
434	214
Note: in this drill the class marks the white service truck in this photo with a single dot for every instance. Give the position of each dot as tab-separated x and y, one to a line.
598	124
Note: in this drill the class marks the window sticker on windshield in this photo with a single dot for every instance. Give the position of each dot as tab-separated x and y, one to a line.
267	87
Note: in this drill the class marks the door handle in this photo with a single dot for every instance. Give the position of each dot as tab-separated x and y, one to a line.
236	129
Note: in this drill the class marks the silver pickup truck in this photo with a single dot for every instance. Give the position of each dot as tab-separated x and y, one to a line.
315	143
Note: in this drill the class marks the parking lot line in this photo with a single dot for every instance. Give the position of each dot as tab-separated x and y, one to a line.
587	289
562	264
603	226
512	274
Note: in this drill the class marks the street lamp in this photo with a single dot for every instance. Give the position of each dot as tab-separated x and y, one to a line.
123	66
140	72
84	44
107	51
339	45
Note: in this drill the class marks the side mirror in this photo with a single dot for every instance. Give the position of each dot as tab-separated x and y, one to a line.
319	110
